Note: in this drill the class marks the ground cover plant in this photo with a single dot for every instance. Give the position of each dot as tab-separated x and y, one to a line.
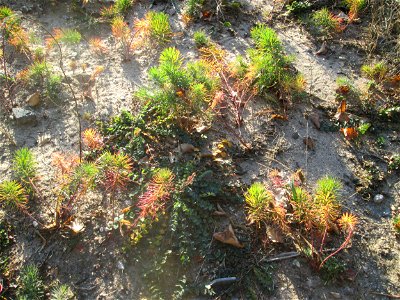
199	149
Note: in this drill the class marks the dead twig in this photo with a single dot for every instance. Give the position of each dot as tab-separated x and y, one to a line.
386	295
282	256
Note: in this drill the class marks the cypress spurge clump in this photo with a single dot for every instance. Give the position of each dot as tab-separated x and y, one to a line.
30	284
24	166
301	214
13	194
268	67
154	27
182	93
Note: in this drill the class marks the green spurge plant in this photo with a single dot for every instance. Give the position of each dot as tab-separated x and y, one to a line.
258	200
24	166
193	7
182	93
200	38
325	21
30	284
121	6
62	292
310	216
269	66
375	71
160	29
13	194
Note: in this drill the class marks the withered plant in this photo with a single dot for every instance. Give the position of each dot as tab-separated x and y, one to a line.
235	92
115	173
97	46
92	139
123	35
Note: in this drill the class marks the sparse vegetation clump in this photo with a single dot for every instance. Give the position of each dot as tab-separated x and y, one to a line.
355	6
13	194
269	66
155	27
62	292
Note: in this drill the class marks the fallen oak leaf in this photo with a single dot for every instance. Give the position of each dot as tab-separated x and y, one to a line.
228	237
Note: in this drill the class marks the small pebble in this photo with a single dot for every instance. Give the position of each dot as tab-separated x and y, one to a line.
378	198
120	265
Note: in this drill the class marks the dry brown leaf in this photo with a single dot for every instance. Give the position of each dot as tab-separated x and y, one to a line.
314	117
228	237
341	114
349	133
279	117
275	235
309	142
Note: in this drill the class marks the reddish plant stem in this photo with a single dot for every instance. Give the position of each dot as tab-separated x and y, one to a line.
345	243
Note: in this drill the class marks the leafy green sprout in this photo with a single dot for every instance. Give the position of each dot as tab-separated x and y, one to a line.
363	128
375	71
381	141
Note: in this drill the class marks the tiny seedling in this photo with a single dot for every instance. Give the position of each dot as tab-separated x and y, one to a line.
363	128
381	141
